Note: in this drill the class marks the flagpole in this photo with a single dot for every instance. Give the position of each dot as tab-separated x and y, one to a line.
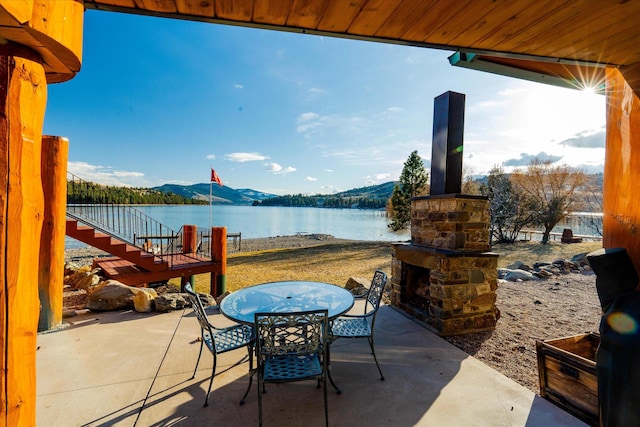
210	200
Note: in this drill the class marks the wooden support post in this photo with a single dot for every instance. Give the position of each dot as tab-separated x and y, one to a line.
23	97
219	253
189	239
189	246
55	150
621	204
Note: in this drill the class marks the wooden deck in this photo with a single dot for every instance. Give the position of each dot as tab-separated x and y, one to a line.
180	265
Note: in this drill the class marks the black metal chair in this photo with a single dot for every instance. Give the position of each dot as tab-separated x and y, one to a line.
361	325
291	347
219	340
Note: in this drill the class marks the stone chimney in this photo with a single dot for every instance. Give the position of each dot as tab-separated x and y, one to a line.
446	276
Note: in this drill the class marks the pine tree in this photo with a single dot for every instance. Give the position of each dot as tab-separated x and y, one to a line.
413	182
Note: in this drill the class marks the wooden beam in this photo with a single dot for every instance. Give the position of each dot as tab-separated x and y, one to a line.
621	204
55	151
23	93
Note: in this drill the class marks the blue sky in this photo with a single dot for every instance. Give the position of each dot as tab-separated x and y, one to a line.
161	101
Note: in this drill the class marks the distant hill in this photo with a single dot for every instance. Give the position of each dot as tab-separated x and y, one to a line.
372	197
220	195
374	191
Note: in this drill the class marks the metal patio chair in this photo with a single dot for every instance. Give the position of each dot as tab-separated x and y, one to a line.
219	340
291	347
361	325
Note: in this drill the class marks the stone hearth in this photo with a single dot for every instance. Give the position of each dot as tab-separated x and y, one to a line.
447	277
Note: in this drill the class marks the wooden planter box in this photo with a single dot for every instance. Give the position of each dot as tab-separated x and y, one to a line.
567	369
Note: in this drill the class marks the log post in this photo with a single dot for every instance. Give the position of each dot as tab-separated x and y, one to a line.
23	96
219	253
189	246
53	169
621	204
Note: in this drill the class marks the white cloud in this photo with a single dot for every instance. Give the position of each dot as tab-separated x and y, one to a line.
245	157
328	170
273	167
394	109
305	117
211	156
107	175
310	178
238	86
382	176
277	169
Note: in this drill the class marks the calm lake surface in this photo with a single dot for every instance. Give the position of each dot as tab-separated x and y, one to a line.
269	221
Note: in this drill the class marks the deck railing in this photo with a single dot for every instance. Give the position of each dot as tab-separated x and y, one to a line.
119	220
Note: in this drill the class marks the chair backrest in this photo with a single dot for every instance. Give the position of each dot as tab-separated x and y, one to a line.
374	295
198	309
299	333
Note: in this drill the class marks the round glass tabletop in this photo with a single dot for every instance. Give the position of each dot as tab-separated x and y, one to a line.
283	297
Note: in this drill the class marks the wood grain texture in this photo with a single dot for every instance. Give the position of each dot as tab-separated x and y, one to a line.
53	168
23	98
621	204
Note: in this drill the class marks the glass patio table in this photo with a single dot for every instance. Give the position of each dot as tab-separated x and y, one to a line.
286	297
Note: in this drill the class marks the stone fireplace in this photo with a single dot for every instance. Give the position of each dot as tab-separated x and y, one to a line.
446	276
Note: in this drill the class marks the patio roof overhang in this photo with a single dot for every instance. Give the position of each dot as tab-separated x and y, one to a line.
565	43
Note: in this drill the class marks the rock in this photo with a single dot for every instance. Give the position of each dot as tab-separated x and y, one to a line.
80	274
218	301
357	285
516	275
581	259
111	295
143	301
88	282
519	265
172	301
543	273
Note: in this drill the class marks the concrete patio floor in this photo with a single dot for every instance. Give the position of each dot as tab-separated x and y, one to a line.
130	369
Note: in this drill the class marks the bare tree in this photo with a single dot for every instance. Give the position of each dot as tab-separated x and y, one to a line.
551	190
508	207
592	203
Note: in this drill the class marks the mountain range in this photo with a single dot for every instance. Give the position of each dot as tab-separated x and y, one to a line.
223	195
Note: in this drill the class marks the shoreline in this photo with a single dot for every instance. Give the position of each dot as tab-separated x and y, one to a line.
86	254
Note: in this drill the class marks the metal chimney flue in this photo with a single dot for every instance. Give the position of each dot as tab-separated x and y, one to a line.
446	154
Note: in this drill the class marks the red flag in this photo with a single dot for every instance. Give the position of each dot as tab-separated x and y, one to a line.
215	177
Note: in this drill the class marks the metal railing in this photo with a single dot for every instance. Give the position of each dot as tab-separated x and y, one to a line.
119	220
131	225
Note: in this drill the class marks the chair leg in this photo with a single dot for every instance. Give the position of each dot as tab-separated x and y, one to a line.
373	351
251	372
213	374
198	361
259	401
326	409
338	391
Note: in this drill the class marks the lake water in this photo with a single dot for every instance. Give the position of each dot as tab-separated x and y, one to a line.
268	221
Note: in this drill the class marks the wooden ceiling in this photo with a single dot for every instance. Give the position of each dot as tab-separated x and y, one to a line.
590	31
555	37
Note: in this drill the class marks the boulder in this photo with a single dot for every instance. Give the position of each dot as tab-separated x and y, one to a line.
143	301
111	295
80	275
171	301
519	265
357	285
518	275
88	282
218	300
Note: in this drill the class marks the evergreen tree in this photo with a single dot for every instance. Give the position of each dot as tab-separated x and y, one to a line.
413	182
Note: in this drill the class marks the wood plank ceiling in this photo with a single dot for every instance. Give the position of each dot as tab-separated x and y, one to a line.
569	39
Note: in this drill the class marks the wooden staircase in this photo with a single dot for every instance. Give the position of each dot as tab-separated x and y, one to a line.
115	246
